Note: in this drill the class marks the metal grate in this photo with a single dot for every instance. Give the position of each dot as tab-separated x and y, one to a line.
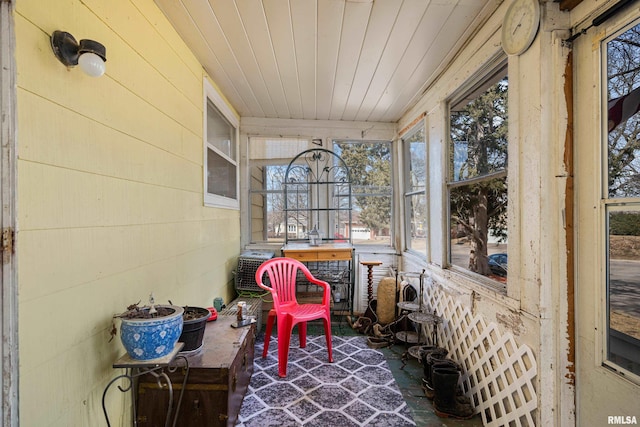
245	274
337	274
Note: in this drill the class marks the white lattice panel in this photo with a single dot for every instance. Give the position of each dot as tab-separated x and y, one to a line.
498	373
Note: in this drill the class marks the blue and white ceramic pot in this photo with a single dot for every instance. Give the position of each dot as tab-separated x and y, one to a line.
154	337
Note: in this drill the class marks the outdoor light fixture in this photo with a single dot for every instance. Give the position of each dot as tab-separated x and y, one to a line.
90	54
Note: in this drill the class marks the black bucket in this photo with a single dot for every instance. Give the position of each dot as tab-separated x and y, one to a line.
195	319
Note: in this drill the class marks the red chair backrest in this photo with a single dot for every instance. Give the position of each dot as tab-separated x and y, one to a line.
282	274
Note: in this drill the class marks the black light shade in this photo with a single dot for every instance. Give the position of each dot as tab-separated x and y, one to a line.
91	46
67	50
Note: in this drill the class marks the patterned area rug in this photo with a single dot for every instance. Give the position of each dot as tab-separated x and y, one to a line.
358	389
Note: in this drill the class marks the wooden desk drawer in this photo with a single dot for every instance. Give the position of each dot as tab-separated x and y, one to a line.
334	255
302	255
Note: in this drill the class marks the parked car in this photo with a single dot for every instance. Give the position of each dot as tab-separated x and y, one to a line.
498	264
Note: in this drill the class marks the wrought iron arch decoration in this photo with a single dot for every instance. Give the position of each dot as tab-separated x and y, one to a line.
317	194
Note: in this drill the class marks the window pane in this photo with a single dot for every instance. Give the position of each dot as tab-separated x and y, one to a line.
220	133
221	175
269	157
418	223
219	163
477	184
417	147
267	203
376	211
478	227
623	119
267	217
415	177
623	181
479	134
285	149
299	218
623	293
369	165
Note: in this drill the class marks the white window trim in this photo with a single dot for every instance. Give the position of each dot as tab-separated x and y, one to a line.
406	195
607	205
212	200
497	62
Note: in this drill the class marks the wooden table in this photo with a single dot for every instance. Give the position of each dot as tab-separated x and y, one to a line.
325	252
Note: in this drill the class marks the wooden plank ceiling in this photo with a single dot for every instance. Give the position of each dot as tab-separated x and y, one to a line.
365	60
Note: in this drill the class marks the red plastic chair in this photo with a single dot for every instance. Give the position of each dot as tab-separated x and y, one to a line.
282	274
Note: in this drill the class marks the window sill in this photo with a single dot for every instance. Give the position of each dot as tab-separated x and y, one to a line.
364	249
221	203
374	249
465	281
480	285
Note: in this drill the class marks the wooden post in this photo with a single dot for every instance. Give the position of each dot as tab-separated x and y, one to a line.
370	265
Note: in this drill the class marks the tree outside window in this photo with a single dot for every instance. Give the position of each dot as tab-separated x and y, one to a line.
477	186
369	165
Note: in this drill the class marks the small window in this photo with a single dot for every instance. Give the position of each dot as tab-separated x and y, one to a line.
477	182
415	196
220	152
621	193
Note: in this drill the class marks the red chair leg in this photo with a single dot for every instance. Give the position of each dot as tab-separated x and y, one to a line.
302	334
284	339
327	334
267	333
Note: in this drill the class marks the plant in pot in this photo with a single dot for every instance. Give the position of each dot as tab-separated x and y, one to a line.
150	332
194	321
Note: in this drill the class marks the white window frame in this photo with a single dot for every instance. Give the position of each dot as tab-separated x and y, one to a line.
408	193
494	67
214	200
610	204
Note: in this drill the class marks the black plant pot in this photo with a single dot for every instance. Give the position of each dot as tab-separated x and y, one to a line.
195	319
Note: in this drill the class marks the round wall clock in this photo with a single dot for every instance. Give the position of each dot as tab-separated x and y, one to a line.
520	26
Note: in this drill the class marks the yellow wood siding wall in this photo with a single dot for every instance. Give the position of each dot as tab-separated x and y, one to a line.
110	203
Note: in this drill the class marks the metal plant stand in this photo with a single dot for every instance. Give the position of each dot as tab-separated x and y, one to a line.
417	314
318	212
158	368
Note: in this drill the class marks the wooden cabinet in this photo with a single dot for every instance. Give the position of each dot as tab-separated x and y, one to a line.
218	378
